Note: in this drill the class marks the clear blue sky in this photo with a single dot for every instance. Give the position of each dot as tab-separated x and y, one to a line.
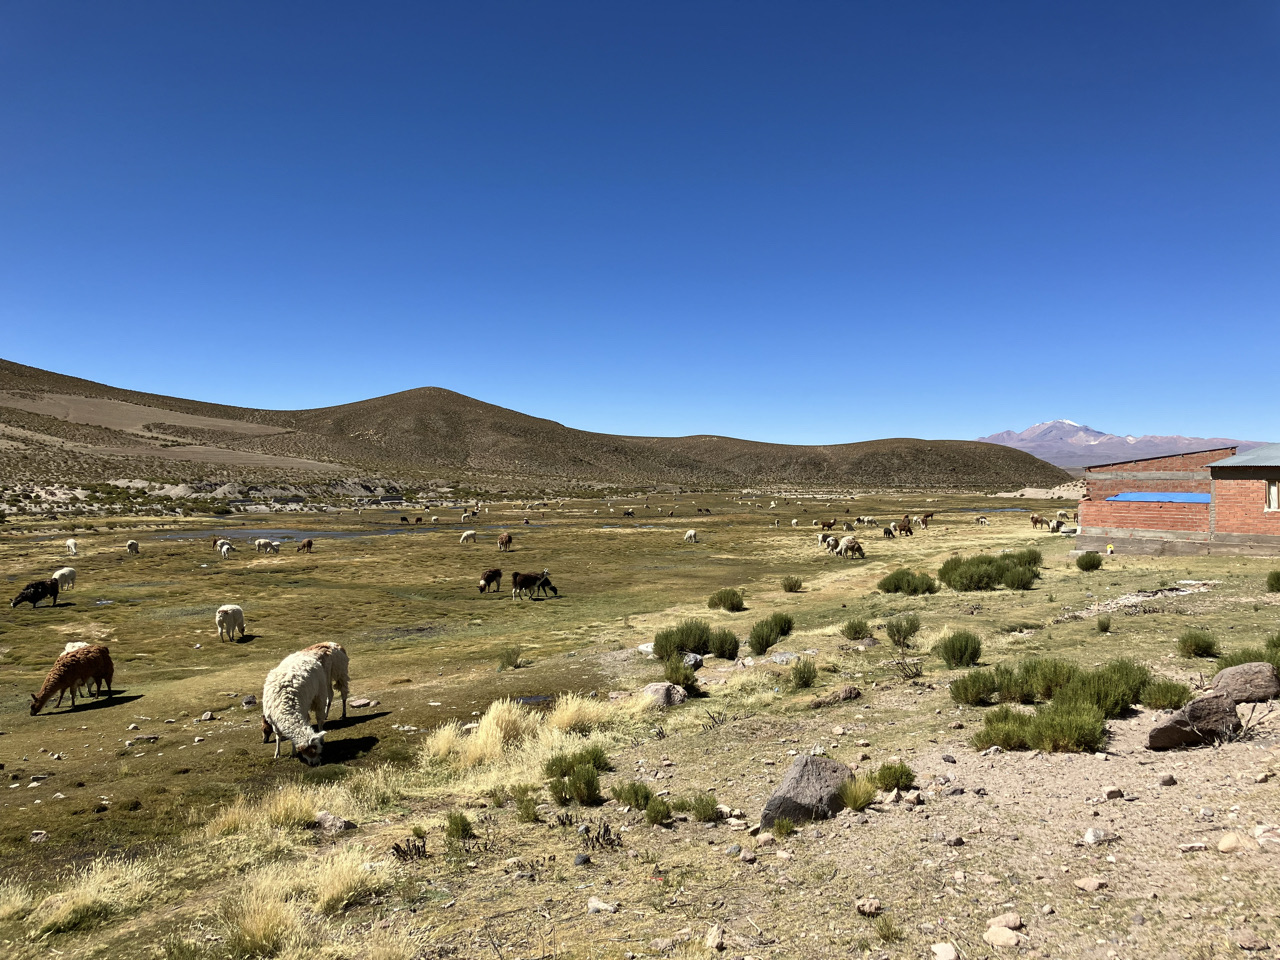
814	222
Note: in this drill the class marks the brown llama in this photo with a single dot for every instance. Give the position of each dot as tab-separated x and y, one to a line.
76	668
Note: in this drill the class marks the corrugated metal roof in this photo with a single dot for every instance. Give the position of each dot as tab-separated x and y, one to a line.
1147	496
1264	456
1161	456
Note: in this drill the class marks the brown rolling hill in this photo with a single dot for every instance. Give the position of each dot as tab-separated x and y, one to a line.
432	431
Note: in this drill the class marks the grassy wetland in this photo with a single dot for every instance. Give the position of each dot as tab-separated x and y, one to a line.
162	834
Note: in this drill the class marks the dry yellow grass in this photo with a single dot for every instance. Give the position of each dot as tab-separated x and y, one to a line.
503	723
262	924
574	713
343	878
16	900
443	742
93	894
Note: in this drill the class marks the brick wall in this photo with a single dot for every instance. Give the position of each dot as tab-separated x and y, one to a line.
1240	508
1100	489
1178	462
1190	517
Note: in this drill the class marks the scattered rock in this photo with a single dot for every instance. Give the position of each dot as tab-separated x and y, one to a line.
841	695
944	951
328	822
733	849
1248	940
1267	837
1206	719
596	905
666	694
133	726
747	856
581	860
1192	847
1047	909
662	945
809	791
1010	920
206	716
715	937
1112	793
955	842
954	725
249	701
39	836
990	751
1138	920
868	906
1236	842
693	660
1096	835
359	702
768	840
948	758
784	657
1168	780
1091	884
1248	683
1001	937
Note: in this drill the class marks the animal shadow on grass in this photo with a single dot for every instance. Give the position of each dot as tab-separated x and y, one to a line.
346	750
246	638
100	703
341	723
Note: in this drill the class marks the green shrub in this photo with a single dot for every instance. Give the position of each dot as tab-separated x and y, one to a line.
680	673
764	634
784	622
688	636
791	584
974	689
704	808
1197	643
1127	676
724	643
887	929
1067	729
1247	655
1089	561
857	793
727	599
681	804
657	811
783	827
499	796
1048	675
457	826
1160	694
959	649
1103	623
1273	581
633	794
508	657
584	786
527	809
1273	643
855	630
904	581
559	790
985	572
895	775
1111	689
902	628
562	764
803	673
1005	728
1013	685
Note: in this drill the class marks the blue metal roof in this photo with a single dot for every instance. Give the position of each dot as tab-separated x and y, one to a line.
1144	496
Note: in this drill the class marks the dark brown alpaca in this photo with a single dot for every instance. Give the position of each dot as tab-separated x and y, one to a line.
72	670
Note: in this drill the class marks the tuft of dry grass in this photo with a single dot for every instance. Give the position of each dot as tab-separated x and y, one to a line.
574	713
442	743
260	923
505	722
343	878
93	894
16	900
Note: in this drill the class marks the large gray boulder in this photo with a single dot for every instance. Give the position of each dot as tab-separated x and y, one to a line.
666	694
809	791
1206	719
1248	683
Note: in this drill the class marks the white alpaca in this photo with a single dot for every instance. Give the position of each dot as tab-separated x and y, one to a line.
468	537
219	544
71	547
333	657
982	522
795	523
228	619
132	546
262	546
275	546
66	577
226	550
691	536
293	691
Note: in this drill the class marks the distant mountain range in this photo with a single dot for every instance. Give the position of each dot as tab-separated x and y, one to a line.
1070	444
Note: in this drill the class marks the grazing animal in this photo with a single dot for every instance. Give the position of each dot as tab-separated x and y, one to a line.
66	577
404	519
1063	515
132	546
228	619
504	543
1036	520
827	525
468	536
305	546
416	521
293	691
545	584
1075	515
847	525
262	546
226	550
849	546
691	536
1055	526
906	531
982	522
435	519
526	583
333	657
491	578
71	547
629	512
218	544
77	645
888	533
275	546
35	591
824	537
72	670
795	523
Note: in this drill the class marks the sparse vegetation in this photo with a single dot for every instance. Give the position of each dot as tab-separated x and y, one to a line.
1273	581
703	808
458	826
895	776
783	827
904	581
765	633
657	812
1248	655
562	764
632	794
975	688
509	657
1018	570
680	673
857	793
724	644
1089	561
902	628
856	630
1161	694
791	584
1197	643
688	636
804	672
959	649
1103	623
727	599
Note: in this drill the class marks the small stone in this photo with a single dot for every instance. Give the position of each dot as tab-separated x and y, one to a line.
893	796
955	842
1010	920
332	823
948	758
1138	920
734	849
1168	780
955	725
837	731
359	702
1236	842
39	836
747	856
206	716
1096	835
991	751
1112	793
1047	909
868	906
768	840
715	937
133	726
1001	937
662	945
1091	884
1192	847
944	951
596	905
1248	940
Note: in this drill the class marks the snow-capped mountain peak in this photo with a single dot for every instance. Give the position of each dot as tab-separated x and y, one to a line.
1070	444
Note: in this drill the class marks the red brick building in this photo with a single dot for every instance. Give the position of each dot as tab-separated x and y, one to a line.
1207	502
